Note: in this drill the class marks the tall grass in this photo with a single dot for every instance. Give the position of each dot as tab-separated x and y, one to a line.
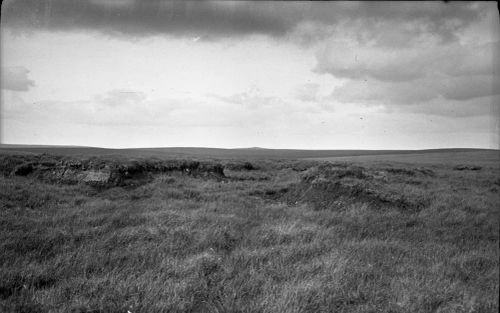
187	244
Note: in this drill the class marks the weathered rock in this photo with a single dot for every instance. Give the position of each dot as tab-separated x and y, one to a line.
380	175
96	178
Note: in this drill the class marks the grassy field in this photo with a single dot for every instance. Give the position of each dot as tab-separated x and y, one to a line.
242	153
485	157
266	236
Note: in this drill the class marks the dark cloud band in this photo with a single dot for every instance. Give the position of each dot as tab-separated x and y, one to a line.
214	20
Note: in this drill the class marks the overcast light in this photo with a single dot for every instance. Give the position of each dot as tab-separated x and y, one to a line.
311	75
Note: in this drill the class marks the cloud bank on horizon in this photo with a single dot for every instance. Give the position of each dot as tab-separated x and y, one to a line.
242	73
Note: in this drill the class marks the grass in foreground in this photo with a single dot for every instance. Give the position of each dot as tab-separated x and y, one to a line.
186	244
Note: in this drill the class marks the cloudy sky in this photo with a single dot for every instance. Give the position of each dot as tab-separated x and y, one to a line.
310	75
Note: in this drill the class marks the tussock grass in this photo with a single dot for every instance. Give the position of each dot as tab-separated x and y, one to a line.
181	243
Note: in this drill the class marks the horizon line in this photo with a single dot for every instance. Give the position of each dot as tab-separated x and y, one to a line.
5	145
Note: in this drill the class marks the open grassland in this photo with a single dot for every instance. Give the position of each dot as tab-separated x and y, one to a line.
485	157
265	236
241	153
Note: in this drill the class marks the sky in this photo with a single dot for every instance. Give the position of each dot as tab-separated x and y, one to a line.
229	74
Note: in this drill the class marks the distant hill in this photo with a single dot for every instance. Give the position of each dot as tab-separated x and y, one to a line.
249	153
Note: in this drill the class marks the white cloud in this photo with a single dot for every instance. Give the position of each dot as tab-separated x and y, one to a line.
16	78
121	97
416	92
412	75
308	92
347	59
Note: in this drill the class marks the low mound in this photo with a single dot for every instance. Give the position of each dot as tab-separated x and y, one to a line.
102	172
332	186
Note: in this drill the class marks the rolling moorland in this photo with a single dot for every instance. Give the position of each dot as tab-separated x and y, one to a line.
248	230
